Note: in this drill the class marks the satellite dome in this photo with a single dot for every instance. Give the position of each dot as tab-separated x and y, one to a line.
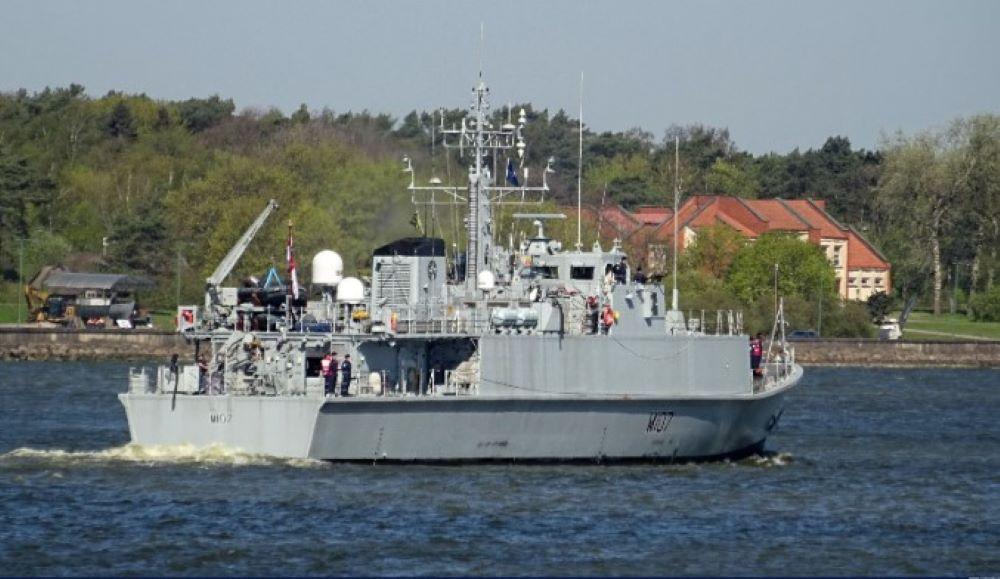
486	281
327	268
351	291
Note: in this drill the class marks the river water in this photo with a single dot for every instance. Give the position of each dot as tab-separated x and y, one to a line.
871	471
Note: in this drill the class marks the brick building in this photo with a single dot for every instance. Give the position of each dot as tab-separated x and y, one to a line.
860	270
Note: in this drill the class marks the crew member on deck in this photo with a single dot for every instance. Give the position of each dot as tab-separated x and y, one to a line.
202	373
345	370
328	370
640	277
607	319
621	271
756	353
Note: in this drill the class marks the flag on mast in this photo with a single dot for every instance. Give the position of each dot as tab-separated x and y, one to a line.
290	258
511	174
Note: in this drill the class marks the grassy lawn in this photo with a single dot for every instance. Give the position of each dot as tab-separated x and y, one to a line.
8	313
163	320
925	326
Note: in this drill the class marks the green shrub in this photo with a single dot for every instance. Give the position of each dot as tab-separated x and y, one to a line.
879	305
848	320
985	307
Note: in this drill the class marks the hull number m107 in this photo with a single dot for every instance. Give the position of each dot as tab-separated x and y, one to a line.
658	422
220	417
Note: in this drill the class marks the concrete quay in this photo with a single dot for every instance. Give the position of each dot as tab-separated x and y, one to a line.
24	343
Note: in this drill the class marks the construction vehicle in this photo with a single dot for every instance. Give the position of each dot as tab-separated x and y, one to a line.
79	300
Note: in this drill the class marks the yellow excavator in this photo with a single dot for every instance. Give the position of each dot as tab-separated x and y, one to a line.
42	306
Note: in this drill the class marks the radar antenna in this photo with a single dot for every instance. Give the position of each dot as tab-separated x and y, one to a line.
478	134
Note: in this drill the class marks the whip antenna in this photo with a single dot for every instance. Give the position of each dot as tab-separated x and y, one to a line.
579	177
677	165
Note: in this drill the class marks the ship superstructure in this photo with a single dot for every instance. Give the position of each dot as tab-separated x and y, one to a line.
521	352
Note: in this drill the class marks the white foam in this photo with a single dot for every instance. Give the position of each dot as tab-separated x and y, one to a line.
212	455
775	459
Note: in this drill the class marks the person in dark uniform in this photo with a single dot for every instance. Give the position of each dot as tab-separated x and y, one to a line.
202	374
639	277
345	372
621	271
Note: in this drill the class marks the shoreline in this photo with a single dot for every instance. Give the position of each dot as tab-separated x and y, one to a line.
58	344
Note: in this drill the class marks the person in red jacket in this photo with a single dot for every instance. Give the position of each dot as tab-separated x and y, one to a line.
607	319
756	354
328	369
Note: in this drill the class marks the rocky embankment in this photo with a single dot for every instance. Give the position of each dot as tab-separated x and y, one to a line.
60	344
847	352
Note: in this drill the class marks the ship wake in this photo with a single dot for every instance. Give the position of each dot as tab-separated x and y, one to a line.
768	459
177	454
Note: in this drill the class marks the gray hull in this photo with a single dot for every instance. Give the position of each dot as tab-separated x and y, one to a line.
455	429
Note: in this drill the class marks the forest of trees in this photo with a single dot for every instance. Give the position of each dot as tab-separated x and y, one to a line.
163	188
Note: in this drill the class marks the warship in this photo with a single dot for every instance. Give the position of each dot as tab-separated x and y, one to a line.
524	352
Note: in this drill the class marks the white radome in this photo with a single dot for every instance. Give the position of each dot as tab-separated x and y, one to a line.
351	291
327	268
486	280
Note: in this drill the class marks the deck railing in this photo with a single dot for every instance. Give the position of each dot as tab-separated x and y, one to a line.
716	322
776	370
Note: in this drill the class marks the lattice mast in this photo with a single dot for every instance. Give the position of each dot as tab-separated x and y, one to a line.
478	135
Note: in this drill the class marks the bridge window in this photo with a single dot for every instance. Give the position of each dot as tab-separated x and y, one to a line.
545	271
581	272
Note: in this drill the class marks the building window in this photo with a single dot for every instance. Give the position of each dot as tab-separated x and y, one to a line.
864	281
852	280
581	272
878	281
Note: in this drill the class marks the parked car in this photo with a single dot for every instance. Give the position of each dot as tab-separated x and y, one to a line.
803	335
890	330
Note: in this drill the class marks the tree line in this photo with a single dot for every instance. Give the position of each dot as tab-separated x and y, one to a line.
126	182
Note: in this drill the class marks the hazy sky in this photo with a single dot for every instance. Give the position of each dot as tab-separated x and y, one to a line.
779	75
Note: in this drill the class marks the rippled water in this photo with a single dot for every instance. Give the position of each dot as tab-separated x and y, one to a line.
871	472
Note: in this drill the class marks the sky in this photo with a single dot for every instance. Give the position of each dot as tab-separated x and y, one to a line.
778	74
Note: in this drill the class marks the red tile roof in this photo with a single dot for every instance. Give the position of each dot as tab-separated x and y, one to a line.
861	254
755	216
751	217
778	216
650	215
814	214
